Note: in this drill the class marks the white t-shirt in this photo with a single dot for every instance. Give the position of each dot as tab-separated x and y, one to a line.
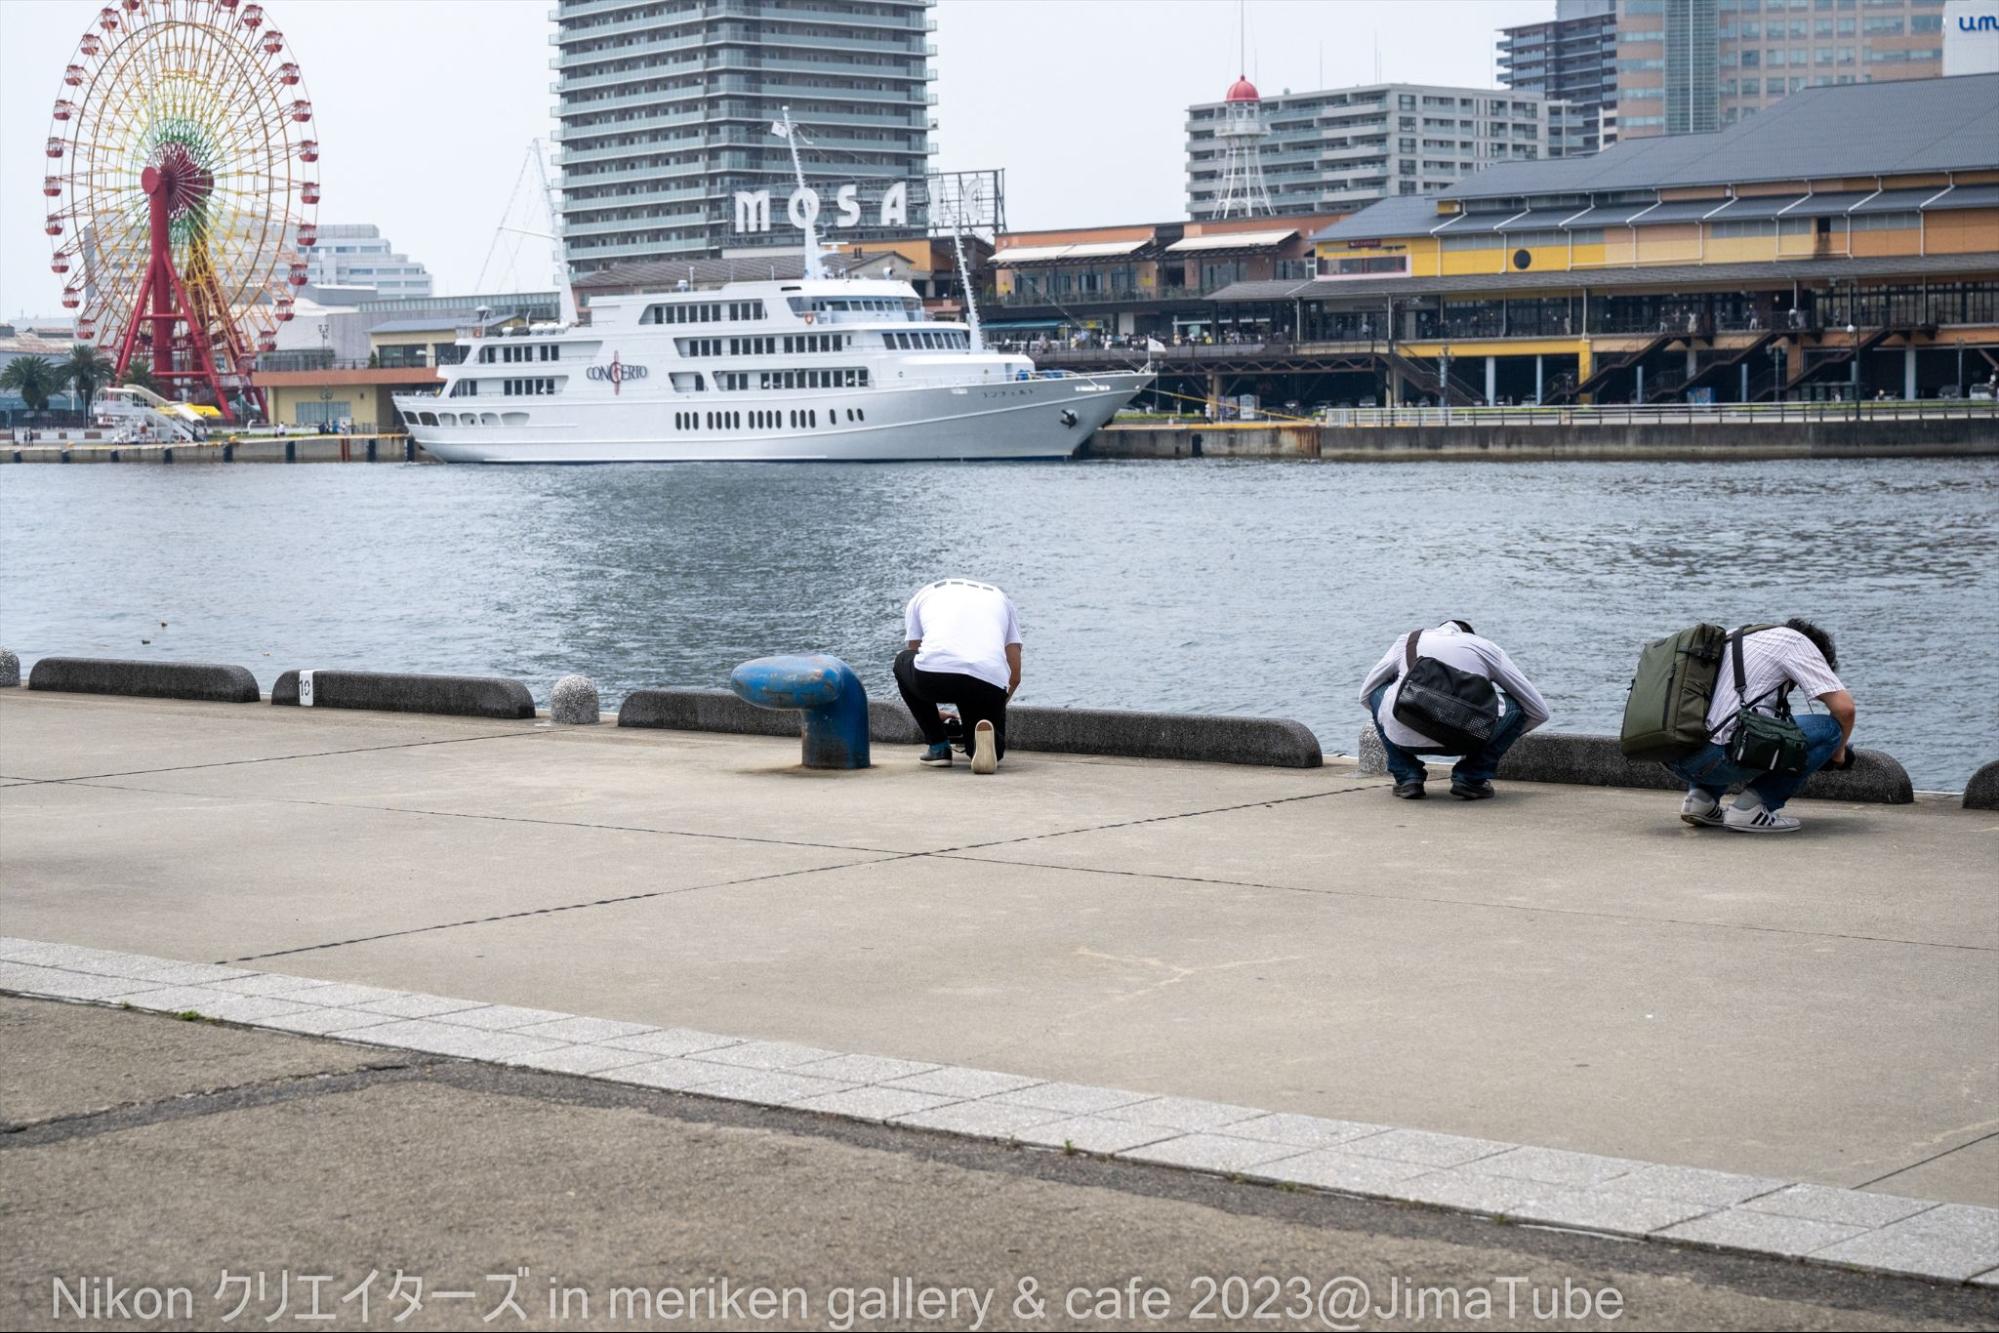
1453	647
1769	658
965	627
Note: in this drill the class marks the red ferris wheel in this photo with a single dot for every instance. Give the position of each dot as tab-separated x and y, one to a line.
181	190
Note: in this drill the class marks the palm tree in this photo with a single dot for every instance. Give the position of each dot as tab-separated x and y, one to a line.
87	370
140	375
34	378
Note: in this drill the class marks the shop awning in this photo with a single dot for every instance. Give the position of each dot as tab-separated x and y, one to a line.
1967	196
1679	210
1045	254
1757	209
1240	240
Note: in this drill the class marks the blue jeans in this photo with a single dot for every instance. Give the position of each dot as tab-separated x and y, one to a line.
1404	766
1708	768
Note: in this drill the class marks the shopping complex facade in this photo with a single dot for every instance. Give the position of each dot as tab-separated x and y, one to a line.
1843	243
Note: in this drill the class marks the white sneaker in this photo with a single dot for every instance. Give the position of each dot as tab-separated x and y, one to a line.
1701	810
985	753
1758	819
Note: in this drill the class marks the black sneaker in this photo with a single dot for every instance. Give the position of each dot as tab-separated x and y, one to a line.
1471	791
1410	791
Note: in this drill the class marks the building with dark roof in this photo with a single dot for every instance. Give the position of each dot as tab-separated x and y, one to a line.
1846	241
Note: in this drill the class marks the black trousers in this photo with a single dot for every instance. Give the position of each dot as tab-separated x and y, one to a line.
977	701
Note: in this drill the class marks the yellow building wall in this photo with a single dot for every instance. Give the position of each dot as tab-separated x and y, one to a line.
1905	242
1673	243
1739	249
1963	232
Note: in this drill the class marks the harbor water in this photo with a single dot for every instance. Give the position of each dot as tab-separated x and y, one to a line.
1244	587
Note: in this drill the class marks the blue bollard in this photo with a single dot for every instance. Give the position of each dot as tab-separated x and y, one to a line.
832	697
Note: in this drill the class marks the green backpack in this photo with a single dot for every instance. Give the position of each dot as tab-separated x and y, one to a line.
1665	715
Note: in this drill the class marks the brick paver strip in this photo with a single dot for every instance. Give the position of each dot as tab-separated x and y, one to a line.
1546	1186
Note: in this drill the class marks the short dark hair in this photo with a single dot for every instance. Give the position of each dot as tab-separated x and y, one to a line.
1821	639
1464	625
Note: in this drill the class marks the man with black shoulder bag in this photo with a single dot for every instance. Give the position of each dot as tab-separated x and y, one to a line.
1439	691
1754	742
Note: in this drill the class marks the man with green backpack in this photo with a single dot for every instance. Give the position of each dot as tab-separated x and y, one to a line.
1714	707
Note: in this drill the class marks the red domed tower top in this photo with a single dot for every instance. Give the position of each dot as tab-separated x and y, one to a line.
1242	90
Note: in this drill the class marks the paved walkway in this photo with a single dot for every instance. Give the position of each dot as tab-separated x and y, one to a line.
1569	968
255	1169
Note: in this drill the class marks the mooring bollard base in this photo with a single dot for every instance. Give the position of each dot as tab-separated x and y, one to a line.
826	691
573	702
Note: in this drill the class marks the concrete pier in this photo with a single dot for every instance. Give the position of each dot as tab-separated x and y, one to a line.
1565	967
1493	438
220	449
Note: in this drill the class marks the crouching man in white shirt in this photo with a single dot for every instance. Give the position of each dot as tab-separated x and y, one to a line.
963	648
1453	643
1795	655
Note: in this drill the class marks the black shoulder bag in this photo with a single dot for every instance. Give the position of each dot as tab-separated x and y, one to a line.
1761	742
1456	709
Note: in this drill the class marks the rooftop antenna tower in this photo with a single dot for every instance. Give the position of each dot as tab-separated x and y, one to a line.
1240	134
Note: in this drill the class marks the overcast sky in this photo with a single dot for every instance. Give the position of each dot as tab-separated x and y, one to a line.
424	107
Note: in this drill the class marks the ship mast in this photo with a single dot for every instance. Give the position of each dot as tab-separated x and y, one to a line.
814	268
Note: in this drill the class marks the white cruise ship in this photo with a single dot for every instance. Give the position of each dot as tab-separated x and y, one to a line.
815	369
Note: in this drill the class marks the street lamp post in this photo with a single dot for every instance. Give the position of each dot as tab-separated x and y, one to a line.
1444	379
1853	333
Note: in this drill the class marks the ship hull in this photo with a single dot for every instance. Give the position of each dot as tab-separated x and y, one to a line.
1018	419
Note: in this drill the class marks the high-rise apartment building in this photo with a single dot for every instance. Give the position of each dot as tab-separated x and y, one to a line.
1344	147
1572	58
666	109
355	254
1691	66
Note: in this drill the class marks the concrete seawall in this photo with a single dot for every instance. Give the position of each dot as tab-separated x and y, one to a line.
1956	437
285	449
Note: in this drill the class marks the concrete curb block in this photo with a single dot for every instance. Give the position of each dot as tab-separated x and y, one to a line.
1595	761
1198	737
1209	738
1912	1237
405	692
213	682
1982	792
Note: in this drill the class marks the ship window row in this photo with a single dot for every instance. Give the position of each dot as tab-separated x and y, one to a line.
465	389
801	418
527	387
790	345
907	306
702	312
470	418
937	339
741	381
514	352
